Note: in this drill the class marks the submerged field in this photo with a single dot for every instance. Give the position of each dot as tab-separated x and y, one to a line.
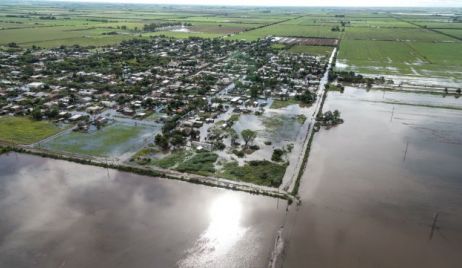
113	141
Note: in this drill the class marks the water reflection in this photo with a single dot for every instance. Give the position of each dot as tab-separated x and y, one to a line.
224	231
61	214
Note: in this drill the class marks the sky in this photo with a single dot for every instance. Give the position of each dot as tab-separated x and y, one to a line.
352	3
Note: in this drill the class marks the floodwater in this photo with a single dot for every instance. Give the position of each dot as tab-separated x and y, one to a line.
374	184
60	214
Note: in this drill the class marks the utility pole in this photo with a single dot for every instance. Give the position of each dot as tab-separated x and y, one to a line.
405	151
434	226
392	113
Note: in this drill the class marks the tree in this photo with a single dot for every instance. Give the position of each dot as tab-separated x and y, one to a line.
37	113
336	114
248	136
161	141
177	139
254	92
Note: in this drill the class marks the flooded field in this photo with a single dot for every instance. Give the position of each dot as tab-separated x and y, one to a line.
115	140
374	185
62	214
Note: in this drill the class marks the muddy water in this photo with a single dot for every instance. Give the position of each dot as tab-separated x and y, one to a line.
62	214
367	201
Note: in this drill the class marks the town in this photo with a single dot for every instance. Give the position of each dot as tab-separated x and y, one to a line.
233	109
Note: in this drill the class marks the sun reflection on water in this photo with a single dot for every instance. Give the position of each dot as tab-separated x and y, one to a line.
223	232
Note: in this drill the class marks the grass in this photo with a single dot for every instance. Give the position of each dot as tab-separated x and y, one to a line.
259	172
279	104
112	140
201	163
24	130
234	117
171	160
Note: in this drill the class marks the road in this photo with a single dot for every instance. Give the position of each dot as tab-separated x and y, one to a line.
295	164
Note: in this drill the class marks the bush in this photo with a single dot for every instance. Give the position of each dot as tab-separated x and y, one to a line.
239	153
277	155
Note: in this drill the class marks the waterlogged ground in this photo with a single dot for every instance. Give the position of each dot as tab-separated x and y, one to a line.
374	184
115	140
62	214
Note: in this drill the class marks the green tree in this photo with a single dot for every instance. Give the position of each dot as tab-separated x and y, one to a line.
37	113
248	136
161	141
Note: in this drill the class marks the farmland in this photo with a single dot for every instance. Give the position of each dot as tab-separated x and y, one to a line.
379	42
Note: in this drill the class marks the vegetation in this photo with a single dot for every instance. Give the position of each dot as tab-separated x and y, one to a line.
111	140
258	172
328	119
279	104
248	136
24	130
200	163
171	160
277	155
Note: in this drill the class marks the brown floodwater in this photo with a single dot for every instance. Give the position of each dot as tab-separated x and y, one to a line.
369	198
374	184
60	214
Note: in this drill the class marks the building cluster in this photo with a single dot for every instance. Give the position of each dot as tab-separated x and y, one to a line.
190	81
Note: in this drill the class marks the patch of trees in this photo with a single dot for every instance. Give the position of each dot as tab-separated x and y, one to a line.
337	29
307	97
328	119
47	17
111	33
352	77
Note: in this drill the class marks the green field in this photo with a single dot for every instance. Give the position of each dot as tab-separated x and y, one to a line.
113	140
372	41
23	130
402	58
288	30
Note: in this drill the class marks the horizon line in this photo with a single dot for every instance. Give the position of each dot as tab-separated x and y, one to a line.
139	2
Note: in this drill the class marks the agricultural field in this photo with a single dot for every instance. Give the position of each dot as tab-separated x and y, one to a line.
87	25
23	130
288	30
401	58
111	141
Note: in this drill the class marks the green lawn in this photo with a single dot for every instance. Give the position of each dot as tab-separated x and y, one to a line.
24	130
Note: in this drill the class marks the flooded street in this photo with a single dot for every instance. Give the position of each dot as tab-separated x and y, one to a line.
374	184
62	214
